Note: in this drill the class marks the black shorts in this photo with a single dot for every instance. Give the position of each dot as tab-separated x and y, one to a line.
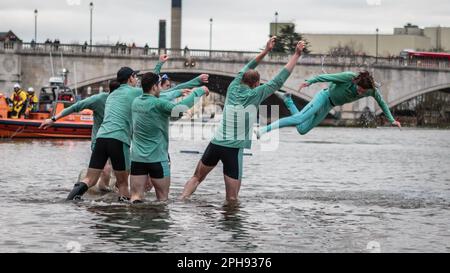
231	159
116	150
154	170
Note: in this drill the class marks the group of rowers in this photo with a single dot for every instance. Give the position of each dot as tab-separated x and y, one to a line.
138	117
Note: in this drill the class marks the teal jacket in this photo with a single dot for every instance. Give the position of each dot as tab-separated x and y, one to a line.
150	117
342	90
96	103
241	108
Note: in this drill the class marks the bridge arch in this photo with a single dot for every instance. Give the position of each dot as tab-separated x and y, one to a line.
175	71
394	103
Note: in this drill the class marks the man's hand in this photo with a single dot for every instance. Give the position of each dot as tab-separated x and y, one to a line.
299	48
204	78
163	58
397	123
46	123
206	90
186	92
271	44
303	85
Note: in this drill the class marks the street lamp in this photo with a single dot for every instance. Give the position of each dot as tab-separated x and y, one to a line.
91	7
376	49
276	23
35	25
210	34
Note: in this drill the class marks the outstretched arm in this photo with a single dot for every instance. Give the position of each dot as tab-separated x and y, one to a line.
181	107
74	108
385	108
335	78
195	82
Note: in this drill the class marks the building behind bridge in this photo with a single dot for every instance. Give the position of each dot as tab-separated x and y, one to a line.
408	37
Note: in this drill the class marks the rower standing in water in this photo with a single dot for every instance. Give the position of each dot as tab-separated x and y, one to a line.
96	103
244	95
150	144
114	136
344	87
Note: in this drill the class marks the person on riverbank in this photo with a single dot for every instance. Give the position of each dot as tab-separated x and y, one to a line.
150	143
244	95
344	88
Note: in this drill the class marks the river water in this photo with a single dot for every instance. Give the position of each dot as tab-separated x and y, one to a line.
333	190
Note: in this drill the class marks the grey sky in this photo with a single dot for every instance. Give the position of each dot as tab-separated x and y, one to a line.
238	24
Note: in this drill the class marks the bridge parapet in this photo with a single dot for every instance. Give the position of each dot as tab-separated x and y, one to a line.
123	51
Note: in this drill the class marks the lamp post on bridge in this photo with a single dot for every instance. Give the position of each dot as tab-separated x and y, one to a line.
210	35
35	25
276	23
91	7
376	48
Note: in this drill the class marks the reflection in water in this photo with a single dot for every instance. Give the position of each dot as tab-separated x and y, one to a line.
334	189
235	222
140	226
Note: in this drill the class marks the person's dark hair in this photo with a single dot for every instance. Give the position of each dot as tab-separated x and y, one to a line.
148	81
365	80
123	81
113	85
250	77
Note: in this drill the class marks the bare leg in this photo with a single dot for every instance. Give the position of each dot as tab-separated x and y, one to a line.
232	187
199	175
105	177
137	183
148	184
162	186
122	183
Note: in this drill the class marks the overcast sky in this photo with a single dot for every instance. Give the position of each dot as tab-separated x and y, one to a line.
238	24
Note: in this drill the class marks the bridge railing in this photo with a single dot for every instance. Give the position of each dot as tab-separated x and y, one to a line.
200	54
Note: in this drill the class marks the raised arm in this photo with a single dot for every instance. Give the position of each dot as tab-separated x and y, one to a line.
87	103
385	108
254	63
263	91
162	59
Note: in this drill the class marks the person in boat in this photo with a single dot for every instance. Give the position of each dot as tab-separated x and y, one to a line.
17	101
344	88
150	142
32	101
244	95
96	103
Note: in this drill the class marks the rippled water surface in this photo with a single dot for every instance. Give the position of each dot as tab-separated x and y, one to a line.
333	190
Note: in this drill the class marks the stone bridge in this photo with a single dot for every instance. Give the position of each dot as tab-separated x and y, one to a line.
33	64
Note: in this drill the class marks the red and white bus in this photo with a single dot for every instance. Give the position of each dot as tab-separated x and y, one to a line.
426	59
